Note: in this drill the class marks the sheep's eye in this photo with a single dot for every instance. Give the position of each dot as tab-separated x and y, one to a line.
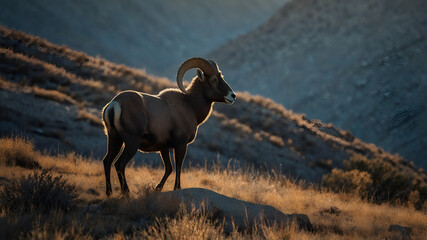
213	80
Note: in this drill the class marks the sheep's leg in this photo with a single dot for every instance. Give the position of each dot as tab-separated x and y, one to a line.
128	152
168	169
113	149
179	159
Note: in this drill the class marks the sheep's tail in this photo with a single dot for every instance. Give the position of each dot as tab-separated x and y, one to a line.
111	116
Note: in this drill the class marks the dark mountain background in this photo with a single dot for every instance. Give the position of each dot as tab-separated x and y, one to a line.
155	35
360	65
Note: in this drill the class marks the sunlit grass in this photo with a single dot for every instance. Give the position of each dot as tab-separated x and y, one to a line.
357	218
19	152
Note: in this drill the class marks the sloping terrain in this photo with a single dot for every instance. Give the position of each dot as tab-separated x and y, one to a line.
359	65
54	95
156	35
63	197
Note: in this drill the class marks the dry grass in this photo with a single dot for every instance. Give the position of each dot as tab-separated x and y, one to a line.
53	95
62	63
99	217
193	224
92	118
39	192
243	129
50	72
324	131
18	152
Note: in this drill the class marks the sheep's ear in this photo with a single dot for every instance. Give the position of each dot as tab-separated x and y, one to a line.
201	75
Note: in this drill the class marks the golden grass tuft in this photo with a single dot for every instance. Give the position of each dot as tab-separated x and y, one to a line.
15	151
90	117
53	95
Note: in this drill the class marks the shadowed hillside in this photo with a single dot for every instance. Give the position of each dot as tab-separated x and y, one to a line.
54	95
359	65
155	35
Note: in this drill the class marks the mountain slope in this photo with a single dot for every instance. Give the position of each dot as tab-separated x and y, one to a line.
54	95
157	35
359	65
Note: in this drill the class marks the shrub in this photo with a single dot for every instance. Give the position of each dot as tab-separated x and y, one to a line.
348	181
40	192
379	179
18	152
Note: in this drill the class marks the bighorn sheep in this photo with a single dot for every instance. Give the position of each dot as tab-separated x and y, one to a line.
158	123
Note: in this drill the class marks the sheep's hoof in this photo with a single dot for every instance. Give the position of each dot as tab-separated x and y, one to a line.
125	194
158	188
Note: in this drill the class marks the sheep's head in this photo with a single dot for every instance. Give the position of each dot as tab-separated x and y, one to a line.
217	89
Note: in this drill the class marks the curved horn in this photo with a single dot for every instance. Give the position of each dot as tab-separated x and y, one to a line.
195	62
214	65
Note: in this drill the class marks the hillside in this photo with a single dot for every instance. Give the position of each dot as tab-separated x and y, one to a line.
359	65
156	35
54	95
62	197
